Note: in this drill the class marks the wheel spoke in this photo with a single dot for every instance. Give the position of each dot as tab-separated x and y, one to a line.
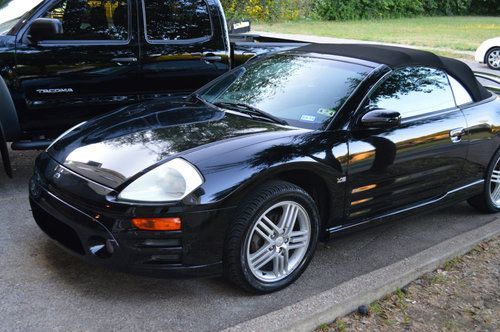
265	232
280	264
265	220
262	259
288	218
298	239
495	196
495	177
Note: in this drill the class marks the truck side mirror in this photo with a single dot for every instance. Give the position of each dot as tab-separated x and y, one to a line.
44	29
380	118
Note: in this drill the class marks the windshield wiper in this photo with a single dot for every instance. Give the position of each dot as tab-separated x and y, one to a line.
251	110
199	98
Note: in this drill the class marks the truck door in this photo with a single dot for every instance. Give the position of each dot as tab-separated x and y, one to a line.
185	45
89	68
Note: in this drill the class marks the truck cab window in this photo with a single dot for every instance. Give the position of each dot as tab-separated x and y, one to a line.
91	19
170	20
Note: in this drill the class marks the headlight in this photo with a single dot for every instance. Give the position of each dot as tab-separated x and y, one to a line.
169	182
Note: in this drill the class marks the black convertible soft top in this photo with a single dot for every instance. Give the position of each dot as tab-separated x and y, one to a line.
396	57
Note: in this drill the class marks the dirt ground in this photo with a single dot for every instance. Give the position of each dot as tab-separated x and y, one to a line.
462	295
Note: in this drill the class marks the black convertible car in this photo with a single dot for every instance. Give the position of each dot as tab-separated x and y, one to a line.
245	175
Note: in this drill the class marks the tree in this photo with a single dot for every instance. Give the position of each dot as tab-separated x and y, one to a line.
3	3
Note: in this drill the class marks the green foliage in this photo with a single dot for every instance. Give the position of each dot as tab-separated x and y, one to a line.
337	10
485	7
340	10
3	3
267	10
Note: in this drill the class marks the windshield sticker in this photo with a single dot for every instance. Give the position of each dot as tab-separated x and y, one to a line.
308	118
326	112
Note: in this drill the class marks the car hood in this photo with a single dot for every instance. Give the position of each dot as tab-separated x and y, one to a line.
113	148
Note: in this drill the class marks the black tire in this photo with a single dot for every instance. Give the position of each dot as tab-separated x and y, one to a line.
488	55
4	152
483	202
236	267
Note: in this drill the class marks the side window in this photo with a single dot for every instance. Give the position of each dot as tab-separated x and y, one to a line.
92	19
170	20
414	91
462	97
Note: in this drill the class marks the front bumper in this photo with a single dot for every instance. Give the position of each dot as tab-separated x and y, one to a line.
479	57
101	233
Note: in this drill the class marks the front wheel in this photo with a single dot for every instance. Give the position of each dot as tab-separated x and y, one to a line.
489	200
273	239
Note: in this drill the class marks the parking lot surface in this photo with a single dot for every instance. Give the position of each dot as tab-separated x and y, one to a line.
42	287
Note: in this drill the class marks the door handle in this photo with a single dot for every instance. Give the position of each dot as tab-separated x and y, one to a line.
123	60
211	58
456	134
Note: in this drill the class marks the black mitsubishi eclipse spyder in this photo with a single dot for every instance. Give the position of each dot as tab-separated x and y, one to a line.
244	176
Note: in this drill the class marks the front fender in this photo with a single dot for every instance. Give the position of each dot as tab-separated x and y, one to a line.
229	176
8	114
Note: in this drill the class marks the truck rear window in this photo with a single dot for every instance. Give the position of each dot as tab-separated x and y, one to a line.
171	20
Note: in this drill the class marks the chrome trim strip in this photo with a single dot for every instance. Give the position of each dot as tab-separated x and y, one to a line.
69	205
344	227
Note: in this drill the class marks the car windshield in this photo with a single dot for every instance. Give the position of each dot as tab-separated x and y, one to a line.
13	11
304	91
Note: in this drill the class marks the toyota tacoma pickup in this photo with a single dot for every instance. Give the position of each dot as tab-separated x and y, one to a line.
65	61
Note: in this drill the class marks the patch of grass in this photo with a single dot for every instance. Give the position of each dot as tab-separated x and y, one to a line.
450	325
449	264
438	279
376	309
453	33
341	325
450	54
323	327
399	293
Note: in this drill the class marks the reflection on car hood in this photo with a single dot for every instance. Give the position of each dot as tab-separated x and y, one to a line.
113	148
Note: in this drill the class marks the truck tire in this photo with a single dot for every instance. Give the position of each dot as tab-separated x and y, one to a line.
4	151
8	114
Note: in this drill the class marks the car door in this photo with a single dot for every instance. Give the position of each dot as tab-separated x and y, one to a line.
88	69
184	46
418	160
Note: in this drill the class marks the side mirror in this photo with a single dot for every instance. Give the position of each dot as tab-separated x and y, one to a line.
381	118
44	29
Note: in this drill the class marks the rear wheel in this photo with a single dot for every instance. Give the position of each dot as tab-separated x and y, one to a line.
492	58
489	200
273	238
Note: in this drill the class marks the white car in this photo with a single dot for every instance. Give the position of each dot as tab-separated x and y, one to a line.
489	53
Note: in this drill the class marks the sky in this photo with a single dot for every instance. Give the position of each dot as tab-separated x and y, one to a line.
16	8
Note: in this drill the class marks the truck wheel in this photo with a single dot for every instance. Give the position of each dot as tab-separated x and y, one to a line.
4	151
8	114
273	238
489	200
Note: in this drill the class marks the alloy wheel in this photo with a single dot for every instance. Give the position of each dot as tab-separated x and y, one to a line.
494	59
495	184
278	241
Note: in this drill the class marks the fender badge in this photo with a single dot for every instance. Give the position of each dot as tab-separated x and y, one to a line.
342	179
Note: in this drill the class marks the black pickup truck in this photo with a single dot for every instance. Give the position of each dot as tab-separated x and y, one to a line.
65	61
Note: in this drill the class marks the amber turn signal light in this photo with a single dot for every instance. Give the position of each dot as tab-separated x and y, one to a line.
157	224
